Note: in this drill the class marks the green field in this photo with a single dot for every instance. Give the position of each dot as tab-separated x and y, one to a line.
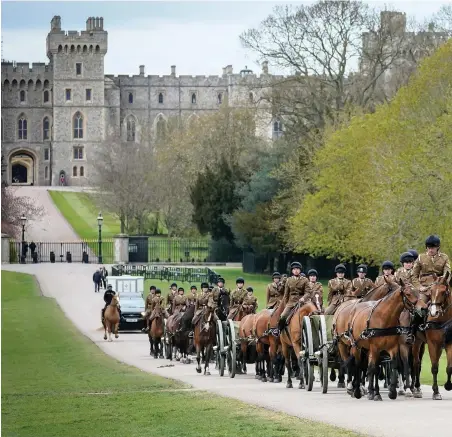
56	382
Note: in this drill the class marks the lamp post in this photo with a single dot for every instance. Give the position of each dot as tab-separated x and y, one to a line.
23	221
99	222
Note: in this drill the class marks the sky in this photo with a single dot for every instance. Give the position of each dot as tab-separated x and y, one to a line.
200	38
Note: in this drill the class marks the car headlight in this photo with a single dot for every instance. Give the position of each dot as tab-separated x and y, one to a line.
143	314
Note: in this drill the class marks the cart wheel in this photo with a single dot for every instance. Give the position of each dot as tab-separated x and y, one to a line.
232	350
166	348
323	359
309	352
220	348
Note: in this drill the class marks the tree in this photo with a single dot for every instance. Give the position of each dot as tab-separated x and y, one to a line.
384	179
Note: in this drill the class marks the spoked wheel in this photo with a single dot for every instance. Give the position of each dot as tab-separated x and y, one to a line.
220	349
231	350
166	348
323	358
308	348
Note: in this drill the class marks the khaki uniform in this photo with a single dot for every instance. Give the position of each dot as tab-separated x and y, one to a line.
362	286
275	294
179	302
251	302
191	298
425	266
157	307
169	300
381	280
313	289
295	288
339	290
405	275
203	301
147	305
237	297
216	295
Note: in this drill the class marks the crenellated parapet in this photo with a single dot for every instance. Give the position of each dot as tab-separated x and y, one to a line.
26	75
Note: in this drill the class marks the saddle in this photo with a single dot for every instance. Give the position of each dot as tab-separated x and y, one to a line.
292	312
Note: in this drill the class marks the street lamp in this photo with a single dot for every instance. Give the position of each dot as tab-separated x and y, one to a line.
99	222
23	221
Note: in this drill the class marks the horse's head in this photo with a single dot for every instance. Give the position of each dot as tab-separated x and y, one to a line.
410	295
440	294
115	301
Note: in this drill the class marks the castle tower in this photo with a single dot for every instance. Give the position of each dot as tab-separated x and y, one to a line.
77	61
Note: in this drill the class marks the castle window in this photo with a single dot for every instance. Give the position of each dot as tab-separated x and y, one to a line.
78	68
161	128
82	171
46	173
68	94
78	125
160	98
277	129
46	83
46	129
193	98
130	98
97	49
60	48
78	152
74	171
22	96
219	98
130	129
251	97
46	96
22	128
46	154
88	95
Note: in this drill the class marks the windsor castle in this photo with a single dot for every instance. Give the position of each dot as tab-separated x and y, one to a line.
55	115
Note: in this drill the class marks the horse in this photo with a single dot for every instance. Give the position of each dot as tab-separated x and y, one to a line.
291	338
156	333
341	320
179	327
374	328
223	306
265	331
248	349
111	319
204	339
438	330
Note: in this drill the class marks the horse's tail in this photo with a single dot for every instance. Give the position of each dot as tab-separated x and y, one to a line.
448	333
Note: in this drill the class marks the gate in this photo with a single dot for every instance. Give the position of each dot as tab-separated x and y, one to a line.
138	249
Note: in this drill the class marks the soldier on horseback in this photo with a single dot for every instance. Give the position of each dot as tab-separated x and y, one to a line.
237	297
108	296
275	291
219	292
339	290
250	301
147	304
156	306
179	301
426	269
388	273
203	300
362	285
405	272
315	289
191	298
295	289
170	297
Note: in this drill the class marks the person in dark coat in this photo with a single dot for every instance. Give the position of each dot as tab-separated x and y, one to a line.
97	279
104	274
108	296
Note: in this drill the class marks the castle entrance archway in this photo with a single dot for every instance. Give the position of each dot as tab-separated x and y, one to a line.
23	168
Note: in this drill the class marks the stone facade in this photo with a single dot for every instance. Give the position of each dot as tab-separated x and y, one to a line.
55	115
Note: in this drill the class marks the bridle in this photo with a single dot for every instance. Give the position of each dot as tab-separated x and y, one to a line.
441	309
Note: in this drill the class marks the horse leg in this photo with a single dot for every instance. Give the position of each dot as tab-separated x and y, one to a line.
105	329
286	353
207	359
198	358
151	345
109	329
117	330
434	350
377	383
394	373
371	375
356	367
448	384
417	356
405	359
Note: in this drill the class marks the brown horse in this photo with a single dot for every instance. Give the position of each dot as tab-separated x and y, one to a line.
111	319
291	338
238	314
266	333
341	325
374	328
247	342
204	338
156	333
438	330
178	327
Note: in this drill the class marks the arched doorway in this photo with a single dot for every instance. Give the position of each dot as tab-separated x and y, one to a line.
22	168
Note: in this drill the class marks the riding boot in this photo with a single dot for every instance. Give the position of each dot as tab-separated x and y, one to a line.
282	323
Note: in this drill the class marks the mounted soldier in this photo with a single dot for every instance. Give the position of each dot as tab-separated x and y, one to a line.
191	298
387	269
405	272
275	291
170	297
295	288
237	297
362	285
220	296
157	307
339	290
147	304
108	296
203	300
179	301
250	301
315	289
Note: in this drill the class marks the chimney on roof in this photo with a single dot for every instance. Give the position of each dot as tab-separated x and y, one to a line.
229	69
173	70
141	70
265	67
55	24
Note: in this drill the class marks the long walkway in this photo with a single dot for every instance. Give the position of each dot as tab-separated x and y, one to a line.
71	286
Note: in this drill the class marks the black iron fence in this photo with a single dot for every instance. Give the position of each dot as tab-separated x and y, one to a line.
85	251
167	273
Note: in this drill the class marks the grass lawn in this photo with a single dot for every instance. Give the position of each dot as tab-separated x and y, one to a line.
55	382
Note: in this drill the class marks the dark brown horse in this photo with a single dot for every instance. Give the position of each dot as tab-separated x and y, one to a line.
156	333
374	328
204	338
438	330
178	327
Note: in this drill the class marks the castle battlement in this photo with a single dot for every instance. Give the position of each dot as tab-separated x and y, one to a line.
24	68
